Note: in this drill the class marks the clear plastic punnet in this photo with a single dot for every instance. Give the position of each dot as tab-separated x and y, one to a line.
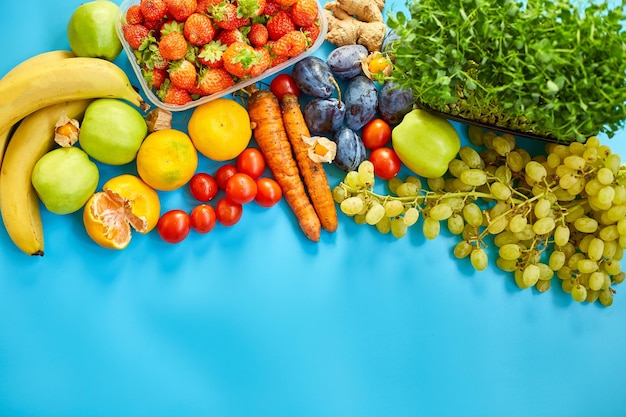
150	93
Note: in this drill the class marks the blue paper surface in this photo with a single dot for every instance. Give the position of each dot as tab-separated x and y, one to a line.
255	320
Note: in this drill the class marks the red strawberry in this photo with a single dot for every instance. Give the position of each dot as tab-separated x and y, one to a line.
304	12
134	15
311	32
263	63
211	54
155	59
202	6
153	9
181	9
225	16
271	8
230	36
214	80
250	8
239	58
182	74
285	3
135	34
153	24
196	92
170	94
258	34
173	46
279	24
154	77
171	26
291	44
277	60
198	29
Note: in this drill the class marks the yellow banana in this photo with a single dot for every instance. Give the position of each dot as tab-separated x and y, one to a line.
59	81
19	204
40	59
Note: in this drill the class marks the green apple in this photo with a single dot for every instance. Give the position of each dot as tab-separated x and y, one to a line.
425	143
91	30
64	179
112	131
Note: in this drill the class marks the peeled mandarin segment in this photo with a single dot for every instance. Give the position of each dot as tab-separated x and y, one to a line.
107	212
100	224
108	219
144	200
124	212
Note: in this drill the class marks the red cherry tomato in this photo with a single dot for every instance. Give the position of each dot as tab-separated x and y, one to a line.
252	162
223	173
241	188
268	192
376	134
174	226
203	218
227	212
203	187
284	84
386	163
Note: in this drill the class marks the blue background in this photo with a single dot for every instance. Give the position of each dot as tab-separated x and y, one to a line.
255	320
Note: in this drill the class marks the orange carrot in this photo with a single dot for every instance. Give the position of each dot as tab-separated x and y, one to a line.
270	135
312	172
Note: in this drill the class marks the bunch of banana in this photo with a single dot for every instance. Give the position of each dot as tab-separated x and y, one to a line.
36	93
31	140
43	58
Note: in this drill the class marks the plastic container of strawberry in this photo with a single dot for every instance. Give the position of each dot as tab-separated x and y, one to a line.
150	92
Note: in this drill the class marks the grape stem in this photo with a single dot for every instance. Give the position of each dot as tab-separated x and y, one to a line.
621	175
420	199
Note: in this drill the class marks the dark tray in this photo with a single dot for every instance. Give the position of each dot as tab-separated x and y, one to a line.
488	126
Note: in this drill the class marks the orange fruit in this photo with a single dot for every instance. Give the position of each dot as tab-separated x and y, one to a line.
167	159
125	202
220	129
144	200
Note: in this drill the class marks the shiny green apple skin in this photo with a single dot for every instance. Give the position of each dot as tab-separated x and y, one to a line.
91	30
64	179
112	131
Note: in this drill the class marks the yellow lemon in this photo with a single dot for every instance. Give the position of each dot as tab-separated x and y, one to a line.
220	129
167	159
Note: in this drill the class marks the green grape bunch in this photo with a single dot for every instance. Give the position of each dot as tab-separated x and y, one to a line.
561	213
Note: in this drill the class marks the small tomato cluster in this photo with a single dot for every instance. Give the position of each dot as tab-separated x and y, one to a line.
376	135
241	182
188	49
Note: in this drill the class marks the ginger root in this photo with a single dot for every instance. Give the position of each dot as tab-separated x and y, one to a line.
356	22
365	11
